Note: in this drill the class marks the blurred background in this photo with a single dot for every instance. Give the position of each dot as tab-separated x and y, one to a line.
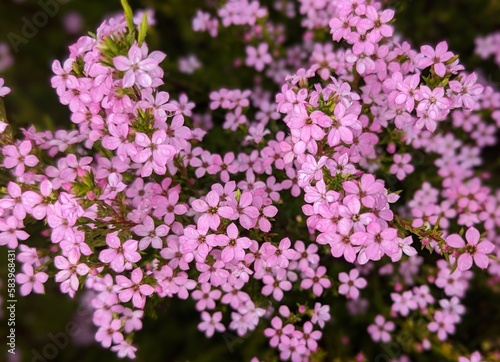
25	63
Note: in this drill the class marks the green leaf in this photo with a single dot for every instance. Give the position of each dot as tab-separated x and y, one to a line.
454	267
129	16
143	29
3	113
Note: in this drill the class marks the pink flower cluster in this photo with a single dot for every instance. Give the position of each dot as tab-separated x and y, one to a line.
308	210
489	45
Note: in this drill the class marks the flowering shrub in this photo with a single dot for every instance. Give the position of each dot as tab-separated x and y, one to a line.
350	183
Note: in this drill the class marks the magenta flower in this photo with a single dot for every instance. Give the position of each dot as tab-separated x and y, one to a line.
472	251
133	289
31	281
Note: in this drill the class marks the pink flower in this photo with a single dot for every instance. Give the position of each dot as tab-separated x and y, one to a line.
404	247
474	357
403	303
379	331
132	289
234	247
275	285
245	212
277	333
206	297
401	166
211	211
472	251
3	90
18	157
443	325
314	279
310	336
154	153
117	254
367	189
258	57
436	57
281	255
321	314
344	122
377	242
151	235
31	281
351	283
138	69
124	349
433	102
109	332
10	232
69	271
211	323
340	242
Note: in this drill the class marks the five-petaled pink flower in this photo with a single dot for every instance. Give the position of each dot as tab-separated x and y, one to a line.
212	211
31	281
351	283
18	157
474	250
138	68
211	323
133	289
